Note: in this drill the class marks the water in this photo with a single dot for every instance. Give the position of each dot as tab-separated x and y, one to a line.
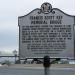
11	59
11	71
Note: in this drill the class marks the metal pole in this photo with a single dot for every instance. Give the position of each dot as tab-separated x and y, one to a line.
15	58
46	71
46	64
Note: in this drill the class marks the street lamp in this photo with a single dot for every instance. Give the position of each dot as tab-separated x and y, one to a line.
15	54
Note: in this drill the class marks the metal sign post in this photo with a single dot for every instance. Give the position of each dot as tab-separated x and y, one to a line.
46	65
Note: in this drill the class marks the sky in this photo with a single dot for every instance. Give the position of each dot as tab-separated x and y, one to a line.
10	10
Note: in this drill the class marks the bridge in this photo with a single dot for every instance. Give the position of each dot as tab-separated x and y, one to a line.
8	56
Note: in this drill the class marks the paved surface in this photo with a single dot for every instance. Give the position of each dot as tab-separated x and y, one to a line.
39	66
37	69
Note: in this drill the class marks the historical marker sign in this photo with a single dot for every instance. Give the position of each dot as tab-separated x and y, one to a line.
46	31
